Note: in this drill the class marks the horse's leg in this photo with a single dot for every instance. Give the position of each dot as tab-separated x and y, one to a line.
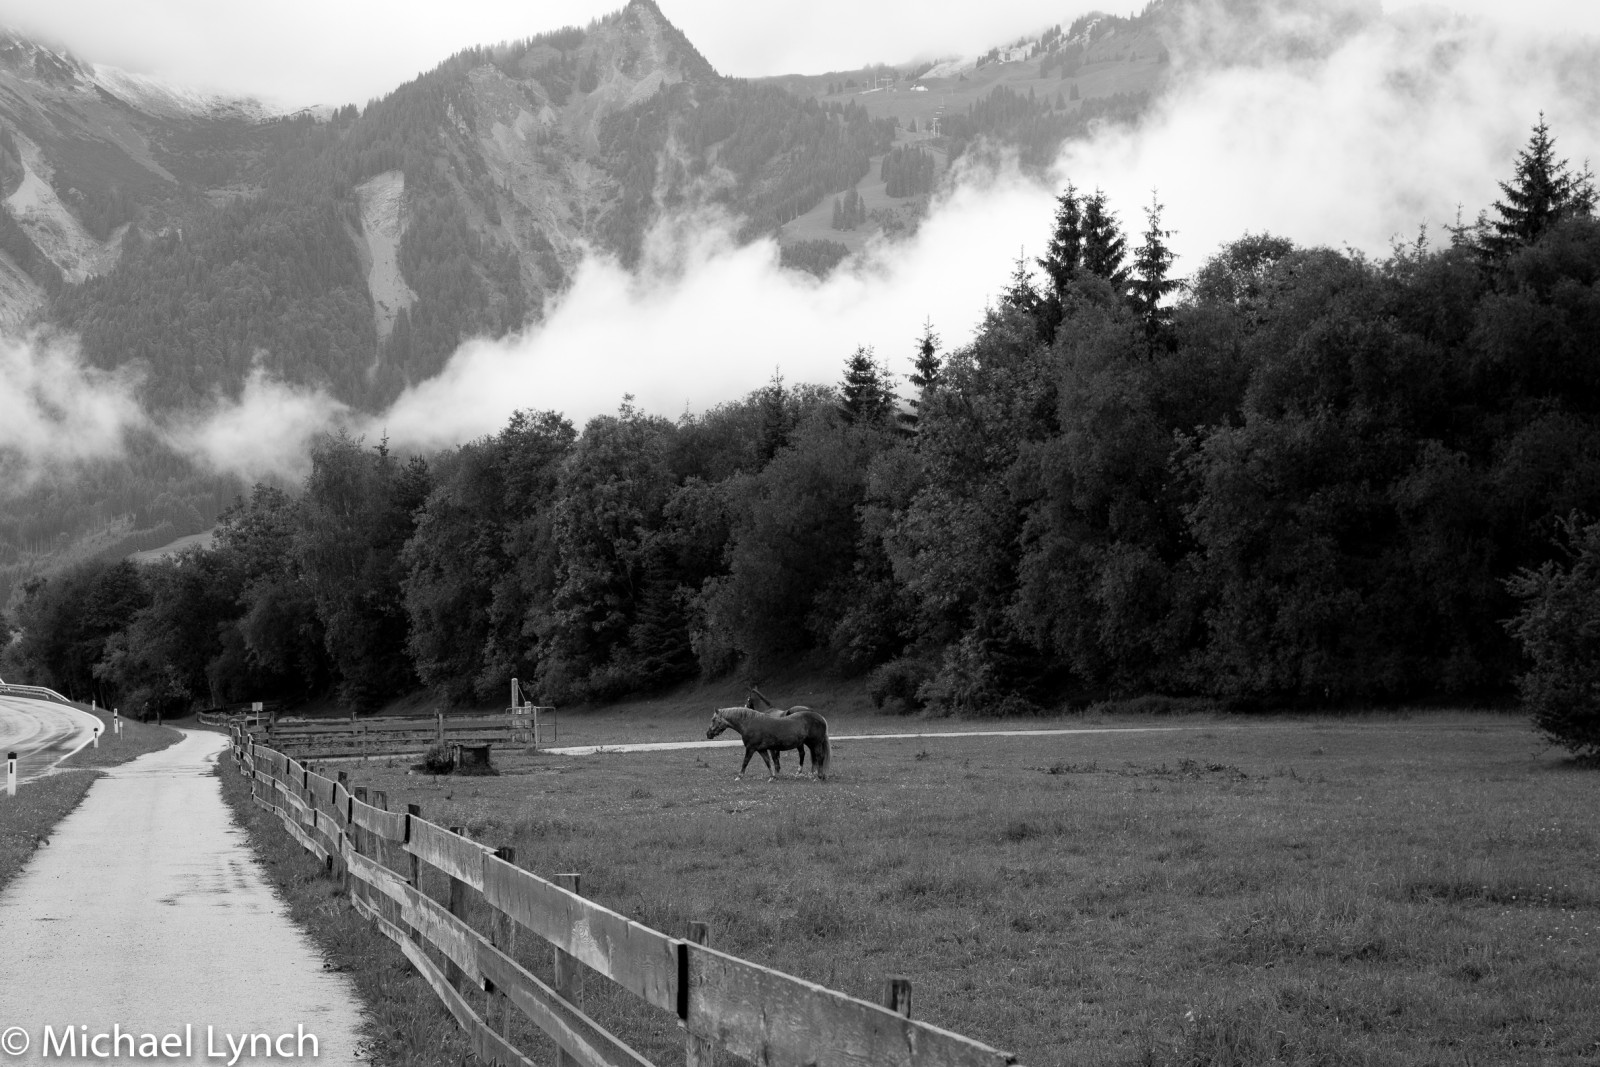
748	752
777	764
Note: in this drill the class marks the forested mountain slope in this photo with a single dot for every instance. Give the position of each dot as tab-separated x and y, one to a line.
198	242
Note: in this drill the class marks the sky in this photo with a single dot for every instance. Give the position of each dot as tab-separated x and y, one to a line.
306	52
1384	131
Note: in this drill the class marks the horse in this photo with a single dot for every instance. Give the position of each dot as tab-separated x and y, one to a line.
804	729
777	712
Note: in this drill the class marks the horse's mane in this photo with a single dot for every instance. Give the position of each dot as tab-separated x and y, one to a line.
738	714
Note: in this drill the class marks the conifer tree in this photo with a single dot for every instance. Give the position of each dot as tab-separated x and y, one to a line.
1063	259
1103	244
1064	255
865	394
924	375
775	426
1152	262
1544	192
1020	293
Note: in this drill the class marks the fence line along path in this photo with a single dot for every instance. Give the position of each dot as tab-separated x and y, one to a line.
721	1001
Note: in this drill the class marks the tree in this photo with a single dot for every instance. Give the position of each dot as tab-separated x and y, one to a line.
865	394
1021	293
775	420
1544	192
1103	244
924	373
1063	258
1559	630
1152	261
358	511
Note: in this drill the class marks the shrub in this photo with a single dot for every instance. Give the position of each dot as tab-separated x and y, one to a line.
1559	631
438	760
899	680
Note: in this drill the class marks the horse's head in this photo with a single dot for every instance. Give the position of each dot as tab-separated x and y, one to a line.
718	724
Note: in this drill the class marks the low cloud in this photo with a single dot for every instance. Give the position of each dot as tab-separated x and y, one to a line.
1328	123
266	432
56	411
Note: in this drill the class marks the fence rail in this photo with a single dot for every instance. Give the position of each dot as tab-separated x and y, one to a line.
344	738
721	1001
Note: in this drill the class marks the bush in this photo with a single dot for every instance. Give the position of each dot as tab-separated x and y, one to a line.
1559	630
438	760
899	680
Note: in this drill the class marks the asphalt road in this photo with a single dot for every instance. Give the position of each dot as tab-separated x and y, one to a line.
147	912
41	733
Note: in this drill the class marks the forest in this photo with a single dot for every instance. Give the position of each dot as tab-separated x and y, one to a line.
1298	477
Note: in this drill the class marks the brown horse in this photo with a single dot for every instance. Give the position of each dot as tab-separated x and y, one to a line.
803	729
773	709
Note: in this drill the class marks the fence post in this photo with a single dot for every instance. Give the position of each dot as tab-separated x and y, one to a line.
503	936
438	729
698	1051
569	980
457	903
897	995
358	839
414	875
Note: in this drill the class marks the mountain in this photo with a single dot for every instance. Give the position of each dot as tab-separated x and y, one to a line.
200	241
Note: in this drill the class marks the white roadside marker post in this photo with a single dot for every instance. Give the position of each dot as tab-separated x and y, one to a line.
11	774
97	737
116	721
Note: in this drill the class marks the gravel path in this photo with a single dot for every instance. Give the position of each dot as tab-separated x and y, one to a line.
147	912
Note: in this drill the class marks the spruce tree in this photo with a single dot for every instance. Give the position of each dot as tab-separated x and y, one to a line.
1544	192
774	434
1063	259
1152	261
1020	293
1103	244
865	395
1064	255
924	375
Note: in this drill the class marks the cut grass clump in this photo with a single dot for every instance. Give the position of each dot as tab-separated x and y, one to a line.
1501	894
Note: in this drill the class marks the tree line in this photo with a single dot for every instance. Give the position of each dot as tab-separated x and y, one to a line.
1300	476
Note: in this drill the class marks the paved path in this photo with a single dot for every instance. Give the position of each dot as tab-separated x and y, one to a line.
668	746
41	733
147	911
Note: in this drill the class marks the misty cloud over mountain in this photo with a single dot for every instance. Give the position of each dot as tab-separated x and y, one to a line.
1325	123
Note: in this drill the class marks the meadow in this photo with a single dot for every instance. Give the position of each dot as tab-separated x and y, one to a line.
1395	889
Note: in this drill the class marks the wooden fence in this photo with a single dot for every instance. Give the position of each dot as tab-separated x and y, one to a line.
393	736
721	1001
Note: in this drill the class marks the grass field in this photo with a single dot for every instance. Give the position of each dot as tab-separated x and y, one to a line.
1393	889
27	819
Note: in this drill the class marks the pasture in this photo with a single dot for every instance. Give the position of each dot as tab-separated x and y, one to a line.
1421	889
